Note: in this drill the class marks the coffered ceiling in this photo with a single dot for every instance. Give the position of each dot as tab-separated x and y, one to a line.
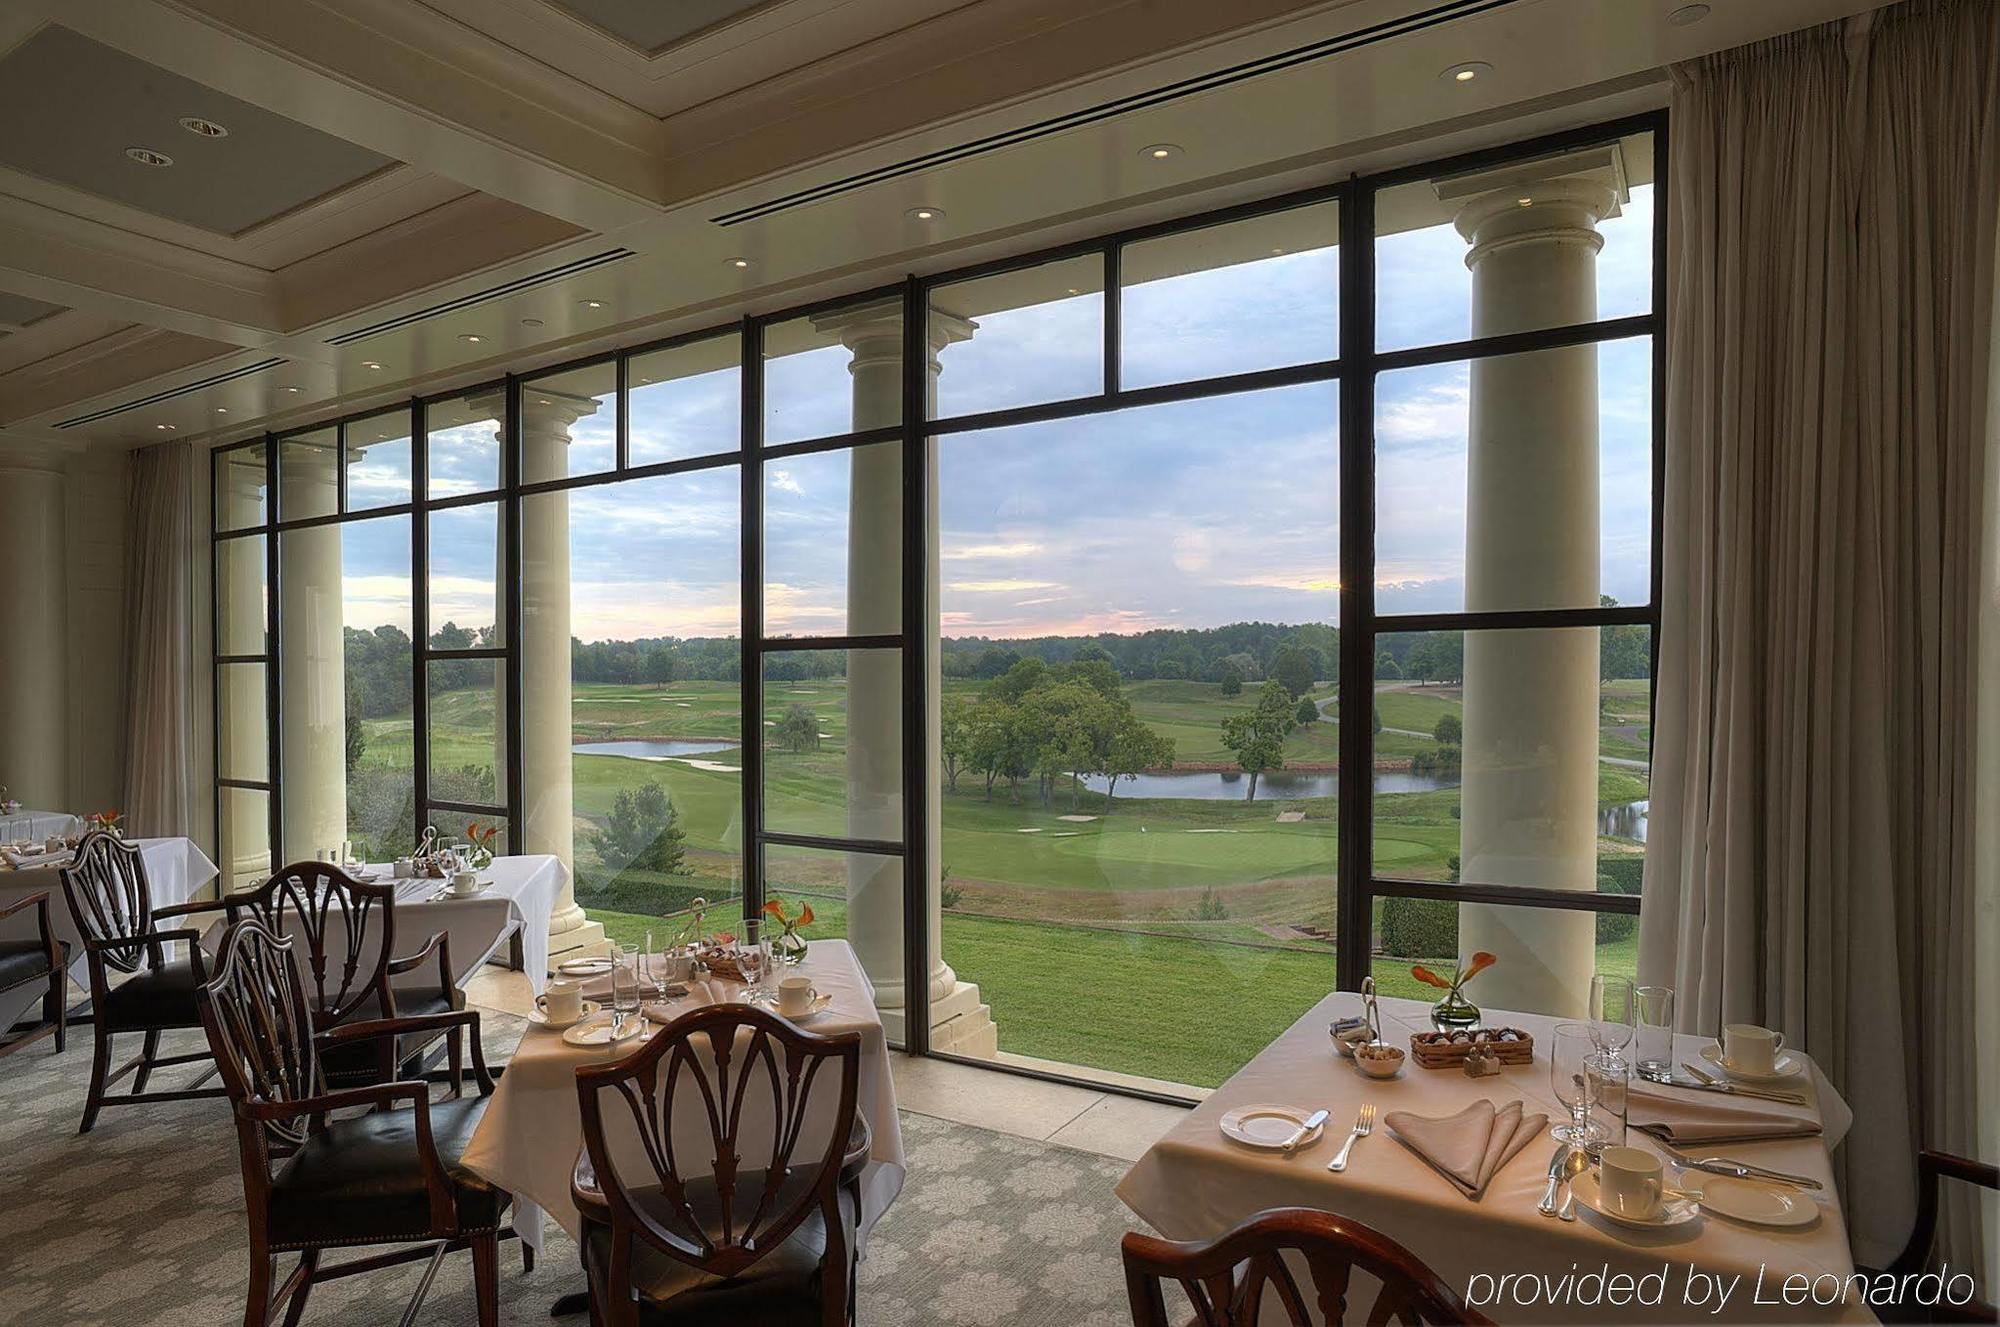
414	196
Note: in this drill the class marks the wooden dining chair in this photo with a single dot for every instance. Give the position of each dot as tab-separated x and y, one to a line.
347	928
748	1226
111	902
1916	1255
39	959
312	1182
1226	1278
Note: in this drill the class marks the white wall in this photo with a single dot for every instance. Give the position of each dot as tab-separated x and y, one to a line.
96	493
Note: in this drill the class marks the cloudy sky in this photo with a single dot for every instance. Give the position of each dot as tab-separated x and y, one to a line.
1193	514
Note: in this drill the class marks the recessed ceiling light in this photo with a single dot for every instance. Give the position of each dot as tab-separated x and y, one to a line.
739	262
1160	151
1465	73
222	410
371	363
1688	14
925	214
1525	202
145	156
591	303
293	390
166	428
531	322
471	338
1277	252
194	124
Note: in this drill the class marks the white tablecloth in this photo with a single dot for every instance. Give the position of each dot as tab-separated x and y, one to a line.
175	869
1195	1184
530	1137
37	825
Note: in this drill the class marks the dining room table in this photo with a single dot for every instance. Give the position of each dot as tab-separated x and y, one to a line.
37	826
1498	1250
176	868
532	1132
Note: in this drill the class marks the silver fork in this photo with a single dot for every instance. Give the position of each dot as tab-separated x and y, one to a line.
1364	1124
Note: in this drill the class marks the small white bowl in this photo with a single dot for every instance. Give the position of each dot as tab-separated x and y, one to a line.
1379	1061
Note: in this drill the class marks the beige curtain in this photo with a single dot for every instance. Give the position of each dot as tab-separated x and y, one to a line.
159	634
1833	222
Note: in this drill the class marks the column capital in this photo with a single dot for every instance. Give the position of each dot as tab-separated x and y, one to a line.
1558	199
874	331
541	407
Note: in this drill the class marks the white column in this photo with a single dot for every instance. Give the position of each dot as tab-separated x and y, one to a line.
34	646
312	676
874	334
546	724
1529	801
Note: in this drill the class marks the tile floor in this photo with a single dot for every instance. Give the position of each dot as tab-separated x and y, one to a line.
1087	1120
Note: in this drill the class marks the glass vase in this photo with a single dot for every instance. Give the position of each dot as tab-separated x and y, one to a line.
790	948
1454	1012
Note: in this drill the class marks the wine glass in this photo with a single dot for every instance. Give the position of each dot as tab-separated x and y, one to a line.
624	992
1613	1013
1569	1074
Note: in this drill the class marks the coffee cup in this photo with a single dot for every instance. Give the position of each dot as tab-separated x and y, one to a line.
465	884
1750	1048
795	995
1630	1182
561	1003
403	868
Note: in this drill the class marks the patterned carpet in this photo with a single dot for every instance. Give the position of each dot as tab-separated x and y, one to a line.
142	1222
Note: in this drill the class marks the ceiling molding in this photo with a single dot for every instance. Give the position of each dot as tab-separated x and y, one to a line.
124	364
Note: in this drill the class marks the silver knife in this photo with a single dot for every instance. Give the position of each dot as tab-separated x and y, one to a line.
1313	1121
1709	1082
1557	1164
1744	1170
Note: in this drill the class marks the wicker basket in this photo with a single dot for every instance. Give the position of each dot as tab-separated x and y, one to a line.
1447	1050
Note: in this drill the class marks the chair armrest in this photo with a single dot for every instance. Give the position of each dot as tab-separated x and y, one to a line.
40	899
396	1027
225	903
440	945
155	941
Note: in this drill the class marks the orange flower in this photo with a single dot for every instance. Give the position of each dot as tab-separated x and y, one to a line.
1429	978
1480	962
775	908
806	917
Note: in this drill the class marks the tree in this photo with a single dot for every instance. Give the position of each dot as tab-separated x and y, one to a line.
643	832
954	738
995	661
1307	711
1449	731
1258	738
1387	669
1134	748
1021	678
659	666
357	736
797	729
1293	668
1232	682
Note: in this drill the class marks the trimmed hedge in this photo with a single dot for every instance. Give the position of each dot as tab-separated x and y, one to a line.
1419	928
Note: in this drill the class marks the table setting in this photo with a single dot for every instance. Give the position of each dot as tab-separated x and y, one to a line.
1524	1144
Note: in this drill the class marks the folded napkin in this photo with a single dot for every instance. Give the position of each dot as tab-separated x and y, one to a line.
1468	1148
1711	1117
32	856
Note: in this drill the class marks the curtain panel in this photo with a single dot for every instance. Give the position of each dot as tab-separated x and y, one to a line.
1832	242
159	634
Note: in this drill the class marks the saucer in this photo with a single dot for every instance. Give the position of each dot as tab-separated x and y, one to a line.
599	1034
1753	1203
1673	1211
1268	1128
584	967
540	1018
1787	1065
806	1015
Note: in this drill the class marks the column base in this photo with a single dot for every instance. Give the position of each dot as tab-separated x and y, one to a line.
583	941
960	1024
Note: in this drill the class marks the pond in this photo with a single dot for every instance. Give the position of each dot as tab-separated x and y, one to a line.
652	749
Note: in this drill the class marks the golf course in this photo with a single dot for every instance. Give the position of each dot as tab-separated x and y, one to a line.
1155	920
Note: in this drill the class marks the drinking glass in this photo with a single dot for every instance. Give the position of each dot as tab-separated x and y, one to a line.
755	958
1611	1013
1569	1054
624	992
646	963
1655	1052
1606	1079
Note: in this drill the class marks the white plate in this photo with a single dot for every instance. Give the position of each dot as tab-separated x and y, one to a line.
1753	1203
584	967
540	1018
1787	1065
599	1034
1673	1211
1267	1127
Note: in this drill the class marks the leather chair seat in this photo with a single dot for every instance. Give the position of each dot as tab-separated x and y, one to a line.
161	996
362	1181
360	1061
781	1289
24	960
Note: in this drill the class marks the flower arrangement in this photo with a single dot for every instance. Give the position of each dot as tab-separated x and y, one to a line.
790	946
1454	1010
482	838
8	805
111	822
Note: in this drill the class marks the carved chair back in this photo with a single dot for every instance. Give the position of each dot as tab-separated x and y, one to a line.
259	1021
110	899
752	1092
347	928
1227	1278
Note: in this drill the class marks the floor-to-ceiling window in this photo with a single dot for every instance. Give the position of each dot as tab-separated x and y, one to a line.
1122	643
